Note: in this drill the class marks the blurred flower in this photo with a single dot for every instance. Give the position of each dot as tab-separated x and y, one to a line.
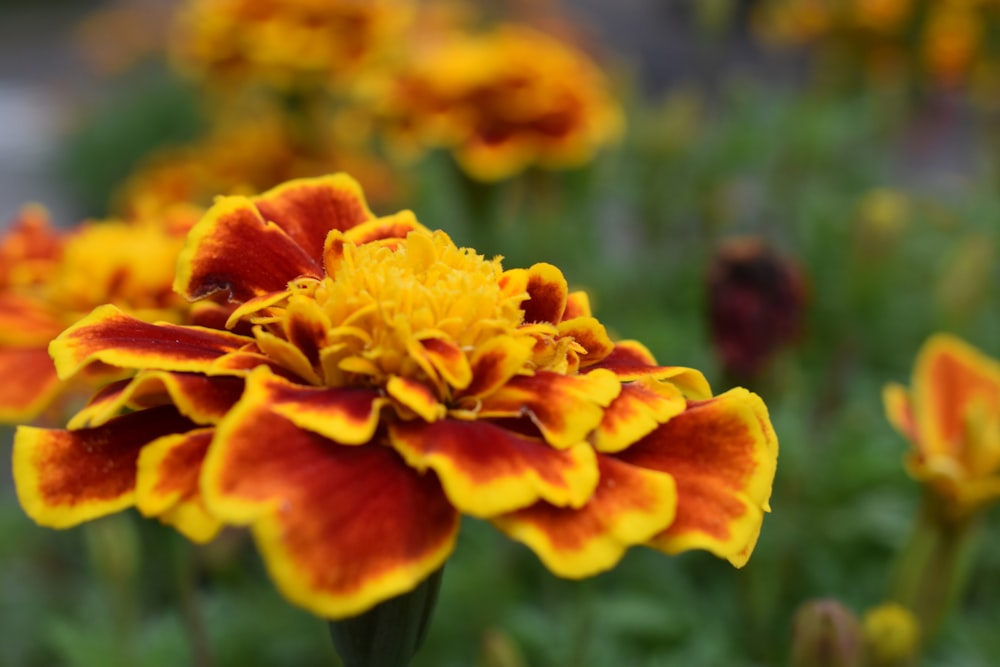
825	633
285	43
892	635
502	102
244	154
964	283
49	279
378	383
951	416
756	301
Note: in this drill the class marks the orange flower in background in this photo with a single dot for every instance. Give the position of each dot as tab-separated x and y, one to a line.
376	383
951	416
245	155
502	102
286	42
50	278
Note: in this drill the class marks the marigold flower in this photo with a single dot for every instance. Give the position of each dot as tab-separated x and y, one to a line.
501	102
49	279
286	42
378	382
951	416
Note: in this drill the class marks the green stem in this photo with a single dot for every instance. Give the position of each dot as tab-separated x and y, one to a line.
931	572
187	594
389	634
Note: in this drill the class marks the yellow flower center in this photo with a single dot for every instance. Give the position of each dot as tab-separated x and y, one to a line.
417	308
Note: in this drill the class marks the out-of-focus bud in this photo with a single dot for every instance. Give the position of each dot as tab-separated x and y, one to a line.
892	635
881	219
756	305
499	650
826	634
964	284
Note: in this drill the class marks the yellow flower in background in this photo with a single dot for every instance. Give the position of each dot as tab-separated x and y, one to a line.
286	42
892	634
248	154
951	416
375	382
501	102
51	278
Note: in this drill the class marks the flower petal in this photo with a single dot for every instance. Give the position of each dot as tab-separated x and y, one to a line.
167	483
547	294
200	398
899	411
26	322
630	360
234	250
66	477
639	409
949	376
590	333
722	453
346	415
340	528
577	305
487	470
495	362
30	383
630	506
415	396
308	208
566	408
111	336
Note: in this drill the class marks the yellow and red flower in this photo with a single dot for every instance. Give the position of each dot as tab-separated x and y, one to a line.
375	383
951	416
501	102
285	43
49	279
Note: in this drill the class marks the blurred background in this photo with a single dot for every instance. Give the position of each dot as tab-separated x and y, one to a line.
790	195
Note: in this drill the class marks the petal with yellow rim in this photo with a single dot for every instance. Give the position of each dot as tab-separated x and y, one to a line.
722	453
66	477
630	506
566	408
547	294
308	208
29	384
169	469
340	528
235	251
389	230
630	360
950	376
590	333
639	409
200	398
487	470
110	336
495	362
577	305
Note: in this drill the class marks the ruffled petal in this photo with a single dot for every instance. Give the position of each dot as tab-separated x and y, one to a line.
487	470
494	363
340	528
577	305
566	408
547	294
590	334
66	477
346	415
630	506
234	250
167	483
110	336
29	384
415	396
639	409
950	376
200	398
388	230
308	208
722	453
631	360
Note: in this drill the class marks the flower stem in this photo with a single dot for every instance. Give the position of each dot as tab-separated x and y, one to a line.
931	572
389	634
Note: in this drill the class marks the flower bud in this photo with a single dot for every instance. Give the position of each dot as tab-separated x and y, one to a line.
826	634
